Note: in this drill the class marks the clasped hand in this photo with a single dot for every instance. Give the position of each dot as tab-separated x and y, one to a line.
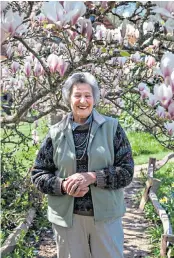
77	185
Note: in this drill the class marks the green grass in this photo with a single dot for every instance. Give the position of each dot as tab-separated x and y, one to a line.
145	146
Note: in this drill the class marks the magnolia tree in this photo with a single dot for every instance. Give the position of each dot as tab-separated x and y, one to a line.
127	46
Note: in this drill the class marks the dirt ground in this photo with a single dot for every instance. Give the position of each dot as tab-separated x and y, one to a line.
136	240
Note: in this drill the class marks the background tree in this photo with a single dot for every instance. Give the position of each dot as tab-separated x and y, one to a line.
128	46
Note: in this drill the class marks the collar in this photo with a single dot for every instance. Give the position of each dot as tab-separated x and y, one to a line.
97	117
75	125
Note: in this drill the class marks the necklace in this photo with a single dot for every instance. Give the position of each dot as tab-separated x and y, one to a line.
86	141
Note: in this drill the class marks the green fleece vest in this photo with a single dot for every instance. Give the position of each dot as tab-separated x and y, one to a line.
107	203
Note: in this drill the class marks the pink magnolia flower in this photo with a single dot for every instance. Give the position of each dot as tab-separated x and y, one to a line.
109	36
100	32
27	69
15	66
4	34
163	93
62	67
72	34
172	81
56	63
152	100
150	61
63	14
160	112
20	48
104	4
9	51
169	25
142	86
170	128
167	64
74	10
145	93
164	8
38	69
171	109
85	27
3	5
136	57
53	61
11	22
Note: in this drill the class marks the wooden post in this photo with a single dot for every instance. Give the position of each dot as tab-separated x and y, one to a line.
163	246
151	167
10	243
149	182
144	198
155	186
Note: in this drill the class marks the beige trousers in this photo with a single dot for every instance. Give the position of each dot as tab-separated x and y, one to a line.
86	239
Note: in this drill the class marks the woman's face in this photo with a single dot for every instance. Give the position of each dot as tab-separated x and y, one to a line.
81	101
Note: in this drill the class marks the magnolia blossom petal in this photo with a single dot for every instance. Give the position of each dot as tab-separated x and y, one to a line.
38	69
52	10
62	67
167	64
11	22
150	61
15	66
170	128
3	5
171	109
4	34
172	81
74	10
136	57
27	69
160	112
152	100
163	93
53	61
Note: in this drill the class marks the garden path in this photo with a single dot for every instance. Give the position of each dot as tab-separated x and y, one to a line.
136	240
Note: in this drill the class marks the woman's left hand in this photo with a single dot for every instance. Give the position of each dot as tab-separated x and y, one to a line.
78	181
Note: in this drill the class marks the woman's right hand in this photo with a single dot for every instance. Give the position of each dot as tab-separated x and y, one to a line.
75	191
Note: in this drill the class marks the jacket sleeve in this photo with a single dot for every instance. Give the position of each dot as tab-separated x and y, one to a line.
121	173
43	172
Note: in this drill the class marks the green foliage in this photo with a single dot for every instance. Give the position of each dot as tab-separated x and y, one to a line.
165	196
124	53
166	190
144	144
18	194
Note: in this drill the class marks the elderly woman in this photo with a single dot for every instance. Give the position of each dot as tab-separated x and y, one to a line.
83	165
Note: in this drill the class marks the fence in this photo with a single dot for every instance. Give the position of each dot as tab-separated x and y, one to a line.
150	190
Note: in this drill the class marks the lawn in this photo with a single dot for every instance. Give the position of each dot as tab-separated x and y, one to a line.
145	146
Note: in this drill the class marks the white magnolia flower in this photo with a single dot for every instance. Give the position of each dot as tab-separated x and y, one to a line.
11	22
171	109
152	100
60	14
164	8
167	64
160	112
163	93
170	128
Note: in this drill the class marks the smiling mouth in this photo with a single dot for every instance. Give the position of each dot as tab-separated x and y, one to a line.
83	108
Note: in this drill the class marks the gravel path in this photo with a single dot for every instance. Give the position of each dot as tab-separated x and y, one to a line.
136	240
